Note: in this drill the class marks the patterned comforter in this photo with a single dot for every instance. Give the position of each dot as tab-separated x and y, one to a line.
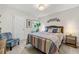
46	42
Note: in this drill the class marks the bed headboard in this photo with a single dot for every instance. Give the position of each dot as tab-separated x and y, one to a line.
61	27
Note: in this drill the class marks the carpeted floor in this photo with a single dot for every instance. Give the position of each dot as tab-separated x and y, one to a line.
24	49
28	49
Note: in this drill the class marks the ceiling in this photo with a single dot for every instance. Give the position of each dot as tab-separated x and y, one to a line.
32	11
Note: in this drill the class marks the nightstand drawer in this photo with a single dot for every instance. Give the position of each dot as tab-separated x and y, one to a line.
71	40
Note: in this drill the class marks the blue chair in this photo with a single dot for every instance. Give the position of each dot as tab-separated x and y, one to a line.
10	42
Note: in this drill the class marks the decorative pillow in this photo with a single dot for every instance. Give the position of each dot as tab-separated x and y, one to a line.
50	30
46	30
55	30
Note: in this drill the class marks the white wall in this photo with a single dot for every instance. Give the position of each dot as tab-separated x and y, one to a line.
14	21
68	18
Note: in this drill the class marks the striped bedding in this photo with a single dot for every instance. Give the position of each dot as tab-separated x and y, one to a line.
46	42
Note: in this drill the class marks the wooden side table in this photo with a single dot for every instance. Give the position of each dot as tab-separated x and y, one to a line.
2	46
71	40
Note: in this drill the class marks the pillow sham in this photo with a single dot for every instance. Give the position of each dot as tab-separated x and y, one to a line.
46	30
55	30
59	30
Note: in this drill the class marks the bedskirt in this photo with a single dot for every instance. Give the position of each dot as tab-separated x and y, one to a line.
43	44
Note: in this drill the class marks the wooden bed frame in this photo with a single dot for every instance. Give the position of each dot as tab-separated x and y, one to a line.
62	31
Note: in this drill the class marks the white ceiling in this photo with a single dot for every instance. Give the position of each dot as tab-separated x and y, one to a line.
30	9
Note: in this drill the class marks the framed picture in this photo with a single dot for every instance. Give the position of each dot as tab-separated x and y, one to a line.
28	23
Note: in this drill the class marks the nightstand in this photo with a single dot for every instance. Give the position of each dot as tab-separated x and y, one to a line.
71	40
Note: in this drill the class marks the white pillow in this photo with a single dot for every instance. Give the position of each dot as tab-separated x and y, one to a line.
59	30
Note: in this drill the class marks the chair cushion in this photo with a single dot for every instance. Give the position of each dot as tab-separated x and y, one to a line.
10	43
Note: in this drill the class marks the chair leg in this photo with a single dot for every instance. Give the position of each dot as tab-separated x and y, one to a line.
10	48
5	51
18	43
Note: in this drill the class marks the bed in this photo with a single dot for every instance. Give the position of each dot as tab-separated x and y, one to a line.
49	41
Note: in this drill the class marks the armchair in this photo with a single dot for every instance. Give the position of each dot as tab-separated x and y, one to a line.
10	42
